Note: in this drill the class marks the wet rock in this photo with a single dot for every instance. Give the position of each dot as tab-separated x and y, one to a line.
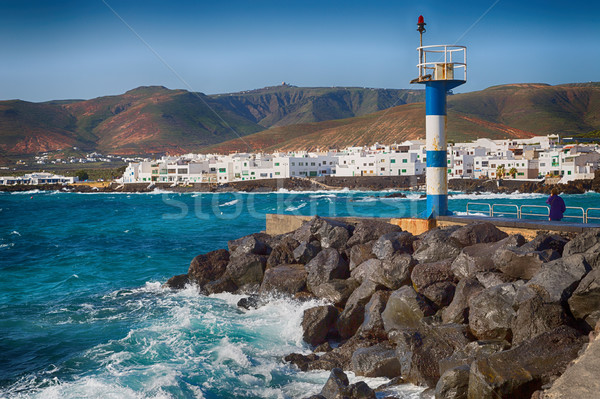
336	291
420	350
586	298
178	282
369	229
453	384
388	244
522	370
436	245
558	279
305	252
376	361
253	244
317	323
324	347
491	313
458	310
283	253
223	284
208	267
342	355
326	266
246	269
535	317
284	279
373	322
338	387
353	315
360	253
475	233
391	273
301	361
250	302
405	309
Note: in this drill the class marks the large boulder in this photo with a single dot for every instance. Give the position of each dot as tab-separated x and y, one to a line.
479	257
178	282
388	244
535	317
392	273
453	384
436	245
339	387
521	262
326	266
520	371
208	267
283	253
420	350
376	361
354	311
458	310
336	291
585	301
246	269
373	322
317	323
557	280
435	281
546	241
360	253
330	233
257	243
479	232
491	313
405	309
305	252
284	279
587	242
370	229
470	352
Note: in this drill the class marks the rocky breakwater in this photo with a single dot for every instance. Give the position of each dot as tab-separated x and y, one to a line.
468	312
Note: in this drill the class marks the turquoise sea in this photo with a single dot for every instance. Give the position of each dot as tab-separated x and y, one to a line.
83	314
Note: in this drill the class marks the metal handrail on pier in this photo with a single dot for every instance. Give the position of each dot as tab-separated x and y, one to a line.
529	211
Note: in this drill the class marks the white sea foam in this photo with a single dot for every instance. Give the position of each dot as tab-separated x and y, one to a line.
292	208
15	232
9	245
230	203
496	196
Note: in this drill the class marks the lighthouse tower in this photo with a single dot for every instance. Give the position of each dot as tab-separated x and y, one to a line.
441	68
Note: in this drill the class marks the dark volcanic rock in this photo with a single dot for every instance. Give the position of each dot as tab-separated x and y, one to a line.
353	315
369	230
178	282
284	279
336	291
522	263
585	301
376	361
436	245
317	323
306	251
475	233
342	355
250	302
360	253
454	383
392	273
338	387
535	317
208	267
545	241
301	361
283	253
388	244
246	269
405	309
223	284
458	310
435	281
326	266
331	233
518	372
589	242
558	279
420	350
373	322
256	243
491	313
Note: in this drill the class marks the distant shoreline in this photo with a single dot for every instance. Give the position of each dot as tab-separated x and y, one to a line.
329	183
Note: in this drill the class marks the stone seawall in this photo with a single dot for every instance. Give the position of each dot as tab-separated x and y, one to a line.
467	311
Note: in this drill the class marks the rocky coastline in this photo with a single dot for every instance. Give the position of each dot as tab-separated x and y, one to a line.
361	183
468	312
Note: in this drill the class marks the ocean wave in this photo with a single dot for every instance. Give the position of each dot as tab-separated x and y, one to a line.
15	232
235	201
496	196
9	245
319	196
292	208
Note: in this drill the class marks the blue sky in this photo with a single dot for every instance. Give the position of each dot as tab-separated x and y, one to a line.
81	49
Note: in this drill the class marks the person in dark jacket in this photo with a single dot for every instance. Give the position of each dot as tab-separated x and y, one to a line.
557	205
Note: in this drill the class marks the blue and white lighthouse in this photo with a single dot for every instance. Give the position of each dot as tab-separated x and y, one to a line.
441	68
